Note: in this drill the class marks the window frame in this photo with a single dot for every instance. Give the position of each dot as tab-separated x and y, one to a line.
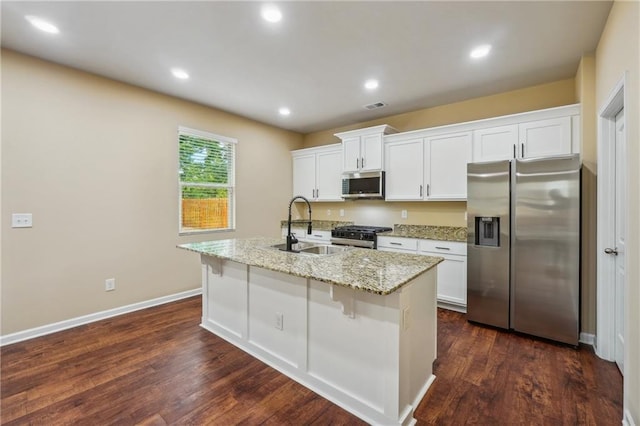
230	186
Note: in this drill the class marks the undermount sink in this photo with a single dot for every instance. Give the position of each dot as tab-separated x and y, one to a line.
323	249
312	248
296	247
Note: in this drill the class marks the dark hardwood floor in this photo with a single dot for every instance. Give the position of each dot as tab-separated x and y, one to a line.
157	367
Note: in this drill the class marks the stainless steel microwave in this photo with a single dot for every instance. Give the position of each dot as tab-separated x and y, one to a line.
366	185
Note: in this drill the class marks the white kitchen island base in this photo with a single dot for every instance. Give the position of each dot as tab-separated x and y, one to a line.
370	354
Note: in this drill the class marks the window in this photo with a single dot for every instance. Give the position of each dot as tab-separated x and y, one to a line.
207	179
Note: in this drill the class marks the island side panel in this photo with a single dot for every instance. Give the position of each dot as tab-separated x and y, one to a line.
226	290
418	340
278	315
353	344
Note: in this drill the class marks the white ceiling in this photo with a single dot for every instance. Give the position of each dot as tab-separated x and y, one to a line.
317	58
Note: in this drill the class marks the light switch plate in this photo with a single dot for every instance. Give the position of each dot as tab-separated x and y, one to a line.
21	220
403	214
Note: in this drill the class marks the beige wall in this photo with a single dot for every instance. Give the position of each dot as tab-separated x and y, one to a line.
617	53
528	99
585	94
95	161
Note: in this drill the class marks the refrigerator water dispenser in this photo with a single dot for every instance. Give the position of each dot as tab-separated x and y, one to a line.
488	231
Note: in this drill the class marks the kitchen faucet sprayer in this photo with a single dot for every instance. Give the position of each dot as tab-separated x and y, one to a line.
291	239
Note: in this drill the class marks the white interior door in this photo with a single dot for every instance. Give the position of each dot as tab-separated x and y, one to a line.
619	238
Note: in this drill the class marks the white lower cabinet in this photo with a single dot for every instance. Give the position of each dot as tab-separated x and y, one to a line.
323	237
452	273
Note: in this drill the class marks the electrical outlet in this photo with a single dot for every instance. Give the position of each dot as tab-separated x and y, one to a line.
328	212
110	284
341	212
279	320
403	214
21	220
406	318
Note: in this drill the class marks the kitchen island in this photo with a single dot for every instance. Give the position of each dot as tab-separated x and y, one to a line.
357	327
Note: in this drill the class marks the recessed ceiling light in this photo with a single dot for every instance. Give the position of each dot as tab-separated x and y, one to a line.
480	51
284	111
371	84
178	73
42	25
271	13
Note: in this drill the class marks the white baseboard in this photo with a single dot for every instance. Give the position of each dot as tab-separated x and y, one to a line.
587	338
86	319
627	420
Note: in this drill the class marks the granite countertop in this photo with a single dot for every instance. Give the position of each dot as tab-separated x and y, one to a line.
361	269
318	225
429	232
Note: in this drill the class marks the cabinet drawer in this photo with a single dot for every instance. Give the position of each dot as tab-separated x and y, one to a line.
444	247
315	236
320	236
398	243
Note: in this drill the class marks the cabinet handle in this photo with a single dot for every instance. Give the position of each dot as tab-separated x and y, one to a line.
395	244
317	193
362	162
514	150
522	150
421	190
443	248
357	163
428	190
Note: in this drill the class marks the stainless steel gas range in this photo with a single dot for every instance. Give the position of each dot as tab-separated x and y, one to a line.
357	235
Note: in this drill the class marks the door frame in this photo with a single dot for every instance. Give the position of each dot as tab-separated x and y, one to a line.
605	294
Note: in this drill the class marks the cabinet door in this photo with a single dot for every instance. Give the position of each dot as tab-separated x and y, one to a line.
404	170
304	175
446	159
371	152
545	138
328	176
452	279
495	143
351	154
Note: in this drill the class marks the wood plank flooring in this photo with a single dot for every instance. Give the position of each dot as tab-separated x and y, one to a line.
158	367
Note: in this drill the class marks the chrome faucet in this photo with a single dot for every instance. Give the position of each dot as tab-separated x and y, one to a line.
291	239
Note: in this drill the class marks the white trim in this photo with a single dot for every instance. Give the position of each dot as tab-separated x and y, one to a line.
97	316
605	305
587	338
627	420
206	135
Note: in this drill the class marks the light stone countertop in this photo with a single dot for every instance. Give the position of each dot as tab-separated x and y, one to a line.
361	269
429	232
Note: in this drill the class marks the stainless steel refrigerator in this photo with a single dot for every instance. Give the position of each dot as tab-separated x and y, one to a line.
523	246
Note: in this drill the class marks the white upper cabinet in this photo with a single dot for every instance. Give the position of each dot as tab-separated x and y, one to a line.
495	143
317	173
329	175
430	168
304	175
431	164
545	138
529	138
445	159
404	177
362	149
